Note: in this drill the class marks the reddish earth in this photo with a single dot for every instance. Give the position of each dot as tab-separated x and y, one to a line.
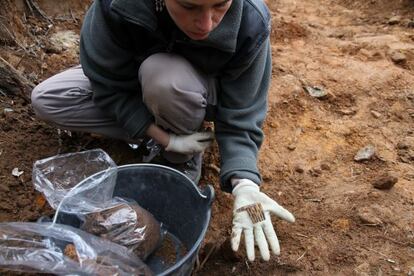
360	52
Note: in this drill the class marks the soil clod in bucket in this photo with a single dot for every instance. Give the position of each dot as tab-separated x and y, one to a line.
126	224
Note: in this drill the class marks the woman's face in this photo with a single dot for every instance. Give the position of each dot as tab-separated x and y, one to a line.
197	18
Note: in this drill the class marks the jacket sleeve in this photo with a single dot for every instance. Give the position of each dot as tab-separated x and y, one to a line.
241	110
112	70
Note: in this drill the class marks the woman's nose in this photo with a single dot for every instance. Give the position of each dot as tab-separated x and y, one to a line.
205	22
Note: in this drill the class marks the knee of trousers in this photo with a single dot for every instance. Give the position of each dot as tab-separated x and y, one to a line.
38	102
174	92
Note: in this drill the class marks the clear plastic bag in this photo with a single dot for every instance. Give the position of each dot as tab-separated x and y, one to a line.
60	178
63	250
125	223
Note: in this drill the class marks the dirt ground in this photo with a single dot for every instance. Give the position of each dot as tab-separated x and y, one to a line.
360	52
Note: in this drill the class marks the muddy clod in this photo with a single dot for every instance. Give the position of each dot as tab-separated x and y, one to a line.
385	182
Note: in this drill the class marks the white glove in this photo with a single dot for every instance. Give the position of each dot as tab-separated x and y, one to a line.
190	144
247	193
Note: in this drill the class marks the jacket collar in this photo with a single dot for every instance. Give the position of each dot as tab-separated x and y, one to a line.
224	37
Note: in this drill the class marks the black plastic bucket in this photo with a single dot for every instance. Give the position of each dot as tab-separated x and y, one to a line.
174	200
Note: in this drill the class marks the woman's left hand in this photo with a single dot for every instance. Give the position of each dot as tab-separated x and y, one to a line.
251	216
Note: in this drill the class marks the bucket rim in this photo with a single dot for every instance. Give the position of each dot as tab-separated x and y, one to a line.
160	166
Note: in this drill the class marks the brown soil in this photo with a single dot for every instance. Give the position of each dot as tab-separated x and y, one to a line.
168	251
70	251
360	52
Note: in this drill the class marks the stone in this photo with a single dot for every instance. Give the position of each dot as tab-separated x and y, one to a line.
394	20
62	41
375	114
299	169
347	111
317	92
325	167
366	153
315	172
398	57
385	182
7	110
368	216
291	147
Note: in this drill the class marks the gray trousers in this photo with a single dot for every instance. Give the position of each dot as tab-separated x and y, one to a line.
172	89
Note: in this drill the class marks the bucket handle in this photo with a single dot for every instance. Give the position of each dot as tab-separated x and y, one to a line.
208	193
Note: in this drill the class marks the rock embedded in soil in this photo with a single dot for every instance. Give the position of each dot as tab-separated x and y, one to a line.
317	92
62	40
375	195
405	149
347	112
6	111
398	57
315	172
394	20
375	114
325	167
299	169
366	153
368	216
385	182
291	147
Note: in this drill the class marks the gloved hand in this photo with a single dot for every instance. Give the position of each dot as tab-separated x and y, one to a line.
190	144
251	215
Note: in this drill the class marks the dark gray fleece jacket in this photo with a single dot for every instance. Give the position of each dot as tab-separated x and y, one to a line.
117	35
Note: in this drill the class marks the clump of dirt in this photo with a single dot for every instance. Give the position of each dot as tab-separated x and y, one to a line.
70	251
126	224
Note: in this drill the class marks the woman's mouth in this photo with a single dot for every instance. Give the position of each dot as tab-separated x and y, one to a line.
198	36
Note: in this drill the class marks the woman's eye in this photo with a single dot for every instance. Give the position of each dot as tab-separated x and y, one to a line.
188	7
222	4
